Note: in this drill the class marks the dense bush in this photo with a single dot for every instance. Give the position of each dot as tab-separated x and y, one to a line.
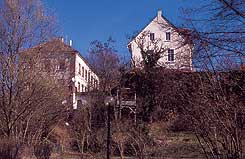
42	150
9	149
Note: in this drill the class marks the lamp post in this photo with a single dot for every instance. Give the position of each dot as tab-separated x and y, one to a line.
109	101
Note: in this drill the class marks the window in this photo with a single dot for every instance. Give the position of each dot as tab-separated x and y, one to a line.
79	69
92	79
82	71
62	65
170	54
86	75
167	35
89	77
152	36
78	87
82	87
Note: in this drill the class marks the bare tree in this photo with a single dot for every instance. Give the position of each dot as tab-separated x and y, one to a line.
81	127
106	62
212	106
151	51
30	101
218	35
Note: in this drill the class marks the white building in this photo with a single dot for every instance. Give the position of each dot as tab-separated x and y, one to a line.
161	36
84	77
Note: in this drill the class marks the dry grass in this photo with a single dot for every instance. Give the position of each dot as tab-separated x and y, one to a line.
167	144
173	145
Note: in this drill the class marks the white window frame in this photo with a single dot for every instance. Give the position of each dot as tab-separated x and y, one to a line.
171	55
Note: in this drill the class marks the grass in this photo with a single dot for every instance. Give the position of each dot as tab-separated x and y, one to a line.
168	144
174	145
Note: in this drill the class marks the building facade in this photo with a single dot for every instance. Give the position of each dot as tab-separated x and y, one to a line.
67	66
172	43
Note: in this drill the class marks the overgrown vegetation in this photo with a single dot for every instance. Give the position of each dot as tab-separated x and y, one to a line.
179	114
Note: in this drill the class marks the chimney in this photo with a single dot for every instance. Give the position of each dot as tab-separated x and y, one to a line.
159	13
70	42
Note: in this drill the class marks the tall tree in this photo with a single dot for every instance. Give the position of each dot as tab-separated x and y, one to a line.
106	62
218	35
30	101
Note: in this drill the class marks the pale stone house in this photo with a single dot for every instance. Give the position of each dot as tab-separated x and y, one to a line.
172	43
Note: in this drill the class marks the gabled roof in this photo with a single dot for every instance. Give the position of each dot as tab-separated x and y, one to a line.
180	30
53	45
57	46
